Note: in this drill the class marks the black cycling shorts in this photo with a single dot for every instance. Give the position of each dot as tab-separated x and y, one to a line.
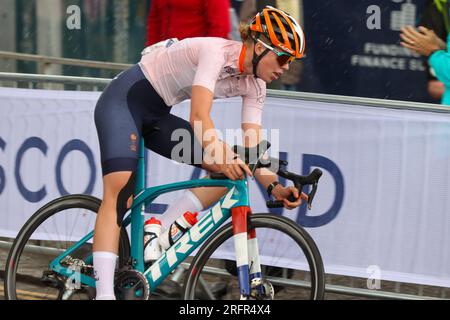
130	108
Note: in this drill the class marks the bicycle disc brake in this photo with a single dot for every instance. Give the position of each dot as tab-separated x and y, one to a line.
131	284
261	289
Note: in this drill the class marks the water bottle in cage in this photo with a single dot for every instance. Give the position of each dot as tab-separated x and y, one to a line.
177	229
152	232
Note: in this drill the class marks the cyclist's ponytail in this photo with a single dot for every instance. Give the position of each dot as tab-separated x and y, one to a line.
244	30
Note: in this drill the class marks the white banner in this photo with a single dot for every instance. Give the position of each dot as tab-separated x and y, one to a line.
381	209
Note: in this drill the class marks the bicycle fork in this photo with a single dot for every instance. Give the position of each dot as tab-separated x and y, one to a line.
246	249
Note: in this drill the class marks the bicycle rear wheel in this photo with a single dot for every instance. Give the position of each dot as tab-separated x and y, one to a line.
292	262
48	233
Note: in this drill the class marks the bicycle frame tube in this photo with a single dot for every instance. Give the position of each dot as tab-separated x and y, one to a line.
253	251
136	218
253	256
196	235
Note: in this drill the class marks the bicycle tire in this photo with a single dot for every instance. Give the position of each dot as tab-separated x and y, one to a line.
77	201
260	220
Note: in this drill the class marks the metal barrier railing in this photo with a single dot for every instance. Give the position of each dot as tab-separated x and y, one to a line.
31	79
63	61
19	77
97	83
369	102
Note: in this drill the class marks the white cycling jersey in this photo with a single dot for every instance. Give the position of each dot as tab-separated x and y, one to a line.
213	63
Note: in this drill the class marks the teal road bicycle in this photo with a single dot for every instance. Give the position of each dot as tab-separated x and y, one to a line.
253	256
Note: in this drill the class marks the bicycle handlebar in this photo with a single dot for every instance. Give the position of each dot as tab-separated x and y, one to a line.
299	182
252	157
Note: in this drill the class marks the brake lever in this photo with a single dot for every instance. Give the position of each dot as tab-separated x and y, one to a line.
311	195
291	198
299	187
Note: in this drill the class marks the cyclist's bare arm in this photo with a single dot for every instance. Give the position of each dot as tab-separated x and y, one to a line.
252	137
203	126
200	118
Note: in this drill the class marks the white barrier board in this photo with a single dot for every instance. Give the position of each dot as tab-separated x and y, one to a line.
382	201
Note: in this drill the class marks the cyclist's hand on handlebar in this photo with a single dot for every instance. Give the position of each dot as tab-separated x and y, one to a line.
235	170
283	193
233	166
242	166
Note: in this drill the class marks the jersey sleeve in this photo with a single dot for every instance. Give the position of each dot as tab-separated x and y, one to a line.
210	63
253	101
440	62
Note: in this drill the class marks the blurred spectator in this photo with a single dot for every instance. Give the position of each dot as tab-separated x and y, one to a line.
425	42
187	19
290	78
436	18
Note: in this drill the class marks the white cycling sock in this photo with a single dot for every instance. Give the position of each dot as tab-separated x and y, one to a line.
104	267
187	202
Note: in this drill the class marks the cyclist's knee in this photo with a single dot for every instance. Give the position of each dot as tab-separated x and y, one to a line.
208	195
118	192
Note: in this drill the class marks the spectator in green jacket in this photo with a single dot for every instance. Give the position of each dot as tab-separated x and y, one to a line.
435	16
425	42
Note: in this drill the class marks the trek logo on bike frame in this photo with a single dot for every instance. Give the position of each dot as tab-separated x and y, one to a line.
191	239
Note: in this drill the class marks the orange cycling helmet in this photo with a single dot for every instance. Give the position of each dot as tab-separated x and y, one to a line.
283	31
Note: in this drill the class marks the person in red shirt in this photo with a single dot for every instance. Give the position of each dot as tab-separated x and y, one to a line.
187	19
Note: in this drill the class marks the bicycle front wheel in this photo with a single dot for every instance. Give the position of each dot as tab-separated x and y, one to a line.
291	262
46	235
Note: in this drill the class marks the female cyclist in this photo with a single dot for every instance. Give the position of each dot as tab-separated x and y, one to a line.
137	104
